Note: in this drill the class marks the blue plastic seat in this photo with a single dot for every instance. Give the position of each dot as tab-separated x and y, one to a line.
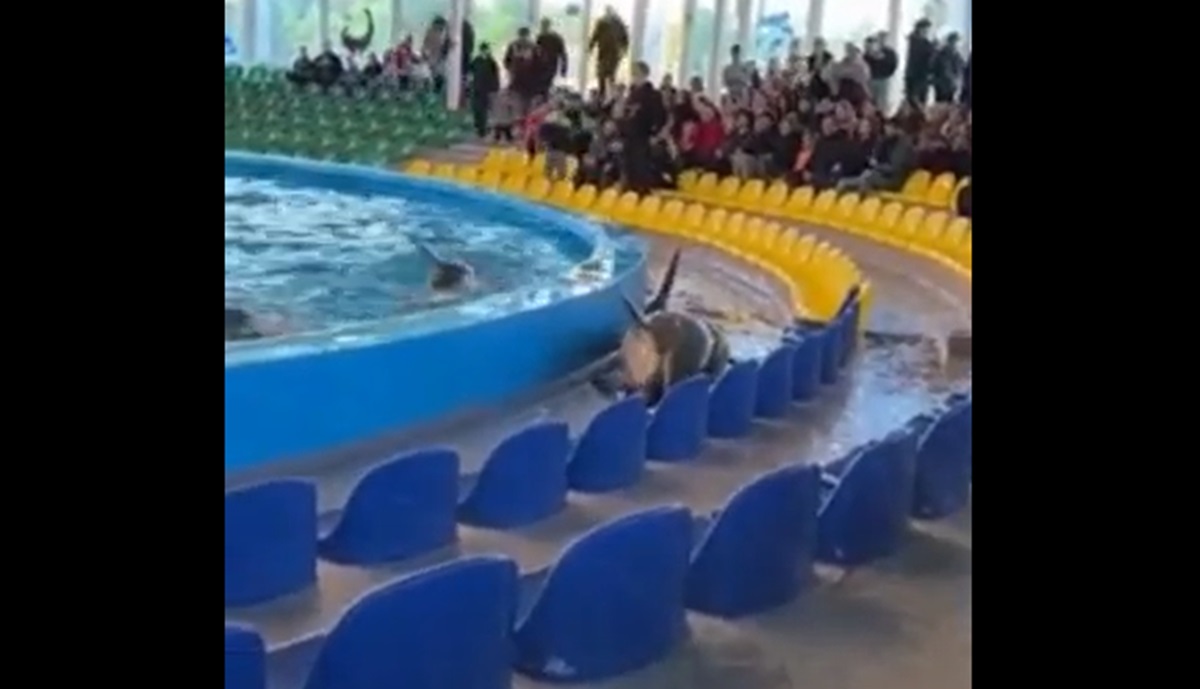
758	553
731	402
399	509
245	659
678	426
774	394
806	366
447	627
943	477
850	331
865	502
831	353
611	453
613	603
270	541
523	481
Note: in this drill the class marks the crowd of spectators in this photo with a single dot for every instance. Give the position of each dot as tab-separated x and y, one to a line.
810	118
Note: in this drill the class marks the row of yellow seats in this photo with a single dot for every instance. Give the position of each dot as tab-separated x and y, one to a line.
818	273
931	232
922	187
516	161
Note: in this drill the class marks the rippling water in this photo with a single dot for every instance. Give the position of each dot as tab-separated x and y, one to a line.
318	258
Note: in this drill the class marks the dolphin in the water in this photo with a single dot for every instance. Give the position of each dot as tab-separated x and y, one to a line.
239	325
664	347
446	274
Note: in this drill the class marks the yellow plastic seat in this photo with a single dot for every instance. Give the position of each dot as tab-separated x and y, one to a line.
515	162
962	184
916	186
490	178
887	219
706	186
538	188
735	229
930	232
727	190
419	167
687	180
803	247
752	235
822	206
941	190
561	193
444	170
536	165
714	223
494	160
865	215
606	202
779	239
799	203
951	240
626	207
692	222
513	183
750	194
669	218
646	214
843	211
584	198
468	174
775	196
906	230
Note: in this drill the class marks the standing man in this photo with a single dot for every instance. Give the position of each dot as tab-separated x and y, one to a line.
736	77
646	115
485	83
918	64
610	40
948	66
551	55
883	62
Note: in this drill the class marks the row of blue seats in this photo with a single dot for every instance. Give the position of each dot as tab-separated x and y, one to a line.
616	599
410	505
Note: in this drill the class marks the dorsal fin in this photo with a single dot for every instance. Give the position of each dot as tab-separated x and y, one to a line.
638	317
659	302
430	253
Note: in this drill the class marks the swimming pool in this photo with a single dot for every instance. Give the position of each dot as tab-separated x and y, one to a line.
321	258
363	361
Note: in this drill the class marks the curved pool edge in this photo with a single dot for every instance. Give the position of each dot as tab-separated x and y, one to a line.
277	409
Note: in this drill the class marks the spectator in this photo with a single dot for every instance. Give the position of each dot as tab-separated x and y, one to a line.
736	77
918	64
947	70
818	65
610	40
327	67
646	118
882	62
504	115
303	71
964	96
551	57
434	50
373	69
850	76
520	61
892	162
485	83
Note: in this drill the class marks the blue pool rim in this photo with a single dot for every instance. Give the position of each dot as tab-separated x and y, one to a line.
329	395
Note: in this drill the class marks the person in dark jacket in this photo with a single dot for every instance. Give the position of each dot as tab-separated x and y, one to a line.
918	66
485	83
882	62
551	56
610	40
828	153
948	67
645	118
964	96
303	70
893	161
328	67
520	61
818	70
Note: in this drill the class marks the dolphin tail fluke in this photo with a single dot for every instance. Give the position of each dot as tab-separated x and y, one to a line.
659	302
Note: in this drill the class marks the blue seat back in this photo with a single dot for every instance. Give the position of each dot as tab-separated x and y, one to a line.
270	541
679	424
759	552
401	508
774	394
447	627
943	477
611	453
731	402
245	659
523	481
806	367
831	353
624	578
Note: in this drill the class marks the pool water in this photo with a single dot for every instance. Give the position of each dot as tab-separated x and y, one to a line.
318	259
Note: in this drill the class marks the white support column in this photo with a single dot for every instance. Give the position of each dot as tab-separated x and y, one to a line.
815	24
323	22
396	31
712	82
454	65
685	42
585	59
534	13
637	51
247	45
262	32
895	10
745	27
